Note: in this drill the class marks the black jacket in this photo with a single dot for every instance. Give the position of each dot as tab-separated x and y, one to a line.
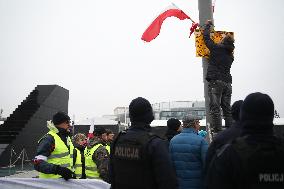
171	133
220	59
141	161
221	139
243	166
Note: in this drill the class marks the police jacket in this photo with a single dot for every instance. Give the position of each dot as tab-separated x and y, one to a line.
141	160
53	150
220	59
222	138
252	161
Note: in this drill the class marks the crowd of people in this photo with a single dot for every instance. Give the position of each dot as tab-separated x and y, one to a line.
59	155
246	154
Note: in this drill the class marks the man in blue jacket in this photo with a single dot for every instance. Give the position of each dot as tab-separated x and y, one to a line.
188	152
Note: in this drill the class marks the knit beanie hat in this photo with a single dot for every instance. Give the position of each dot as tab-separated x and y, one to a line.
173	124
236	107
257	113
140	110
60	117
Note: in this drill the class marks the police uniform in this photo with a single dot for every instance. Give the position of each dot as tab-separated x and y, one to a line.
141	160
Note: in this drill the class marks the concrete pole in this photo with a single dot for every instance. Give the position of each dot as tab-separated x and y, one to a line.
205	13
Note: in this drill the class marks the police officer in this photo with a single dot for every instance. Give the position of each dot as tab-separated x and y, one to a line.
97	156
140	159
54	149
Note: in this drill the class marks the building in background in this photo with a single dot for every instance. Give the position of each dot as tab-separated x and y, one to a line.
166	110
178	109
122	114
110	117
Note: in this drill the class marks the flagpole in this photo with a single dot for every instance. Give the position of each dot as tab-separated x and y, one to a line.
205	13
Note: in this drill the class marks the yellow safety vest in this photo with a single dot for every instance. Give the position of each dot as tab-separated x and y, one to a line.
91	167
108	148
78	164
61	155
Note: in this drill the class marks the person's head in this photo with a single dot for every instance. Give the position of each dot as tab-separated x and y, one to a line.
174	124
140	110
236	107
80	139
229	39
191	121
100	133
61	120
110	135
257	113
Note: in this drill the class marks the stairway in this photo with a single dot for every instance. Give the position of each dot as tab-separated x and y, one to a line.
18	119
27	123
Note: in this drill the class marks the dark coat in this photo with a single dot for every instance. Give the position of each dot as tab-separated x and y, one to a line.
171	133
238	170
127	173
220	60
221	139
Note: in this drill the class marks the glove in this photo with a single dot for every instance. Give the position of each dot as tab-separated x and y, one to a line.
209	22
64	172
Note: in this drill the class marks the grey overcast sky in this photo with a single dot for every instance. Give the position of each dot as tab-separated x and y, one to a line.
93	49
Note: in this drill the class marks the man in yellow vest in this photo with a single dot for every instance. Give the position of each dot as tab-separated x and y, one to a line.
110	137
53	156
97	156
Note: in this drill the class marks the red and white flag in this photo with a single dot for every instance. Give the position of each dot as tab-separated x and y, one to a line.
154	29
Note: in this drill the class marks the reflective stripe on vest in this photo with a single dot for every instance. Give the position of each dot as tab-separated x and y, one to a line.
59	156
108	148
91	167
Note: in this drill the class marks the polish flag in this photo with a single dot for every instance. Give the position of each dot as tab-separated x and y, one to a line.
154	29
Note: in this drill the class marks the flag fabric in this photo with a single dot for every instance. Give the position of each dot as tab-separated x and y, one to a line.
193	27
154	29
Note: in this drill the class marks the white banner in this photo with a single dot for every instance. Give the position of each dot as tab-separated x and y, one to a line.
37	183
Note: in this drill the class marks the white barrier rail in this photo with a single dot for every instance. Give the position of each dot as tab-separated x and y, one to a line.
37	183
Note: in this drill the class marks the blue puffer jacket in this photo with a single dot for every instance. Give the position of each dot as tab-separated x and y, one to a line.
188	152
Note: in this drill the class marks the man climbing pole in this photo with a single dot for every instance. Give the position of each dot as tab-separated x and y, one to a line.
219	78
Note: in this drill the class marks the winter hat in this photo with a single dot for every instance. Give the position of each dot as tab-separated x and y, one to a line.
60	117
98	131
173	124
257	113
140	110
189	120
236	107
